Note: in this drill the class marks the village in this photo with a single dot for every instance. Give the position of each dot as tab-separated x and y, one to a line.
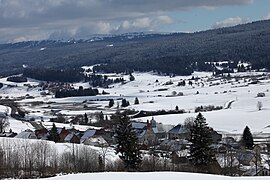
162	129
166	140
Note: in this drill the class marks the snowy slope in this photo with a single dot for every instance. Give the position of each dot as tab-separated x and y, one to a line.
205	91
150	175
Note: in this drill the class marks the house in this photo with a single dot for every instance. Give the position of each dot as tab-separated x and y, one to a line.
3	114
138	125
106	134
89	133
63	132
72	138
179	132
259	171
145	133
228	140
246	158
260	148
158	129
219	148
147	137
96	141
27	134
174	145
42	133
8	134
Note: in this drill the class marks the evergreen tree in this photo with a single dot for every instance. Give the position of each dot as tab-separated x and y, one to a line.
127	145
125	103
247	138
53	134
101	116
200	151
111	103
85	118
131	77
136	101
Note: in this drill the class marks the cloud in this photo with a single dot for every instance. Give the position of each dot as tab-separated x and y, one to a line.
144	24
165	19
266	17
232	21
75	17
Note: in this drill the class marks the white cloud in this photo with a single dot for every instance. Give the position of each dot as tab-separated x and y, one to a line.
144	24
165	19
75	17
232	21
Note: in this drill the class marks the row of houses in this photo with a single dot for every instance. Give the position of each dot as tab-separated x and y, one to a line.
149	134
166	138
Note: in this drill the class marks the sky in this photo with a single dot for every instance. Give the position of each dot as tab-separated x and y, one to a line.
24	20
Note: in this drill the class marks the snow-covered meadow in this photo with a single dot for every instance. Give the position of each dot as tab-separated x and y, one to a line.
154	94
237	95
150	175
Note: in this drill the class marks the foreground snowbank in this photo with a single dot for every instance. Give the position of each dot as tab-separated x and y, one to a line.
150	175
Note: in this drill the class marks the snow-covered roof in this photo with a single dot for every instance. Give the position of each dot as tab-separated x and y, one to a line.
3	114
68	137
138	125
97	141
59	130
88	133
26	135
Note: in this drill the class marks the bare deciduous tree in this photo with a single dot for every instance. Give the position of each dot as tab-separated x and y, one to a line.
4	123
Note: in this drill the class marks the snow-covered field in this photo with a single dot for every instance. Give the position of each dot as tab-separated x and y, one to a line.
204	91
150	175
237	96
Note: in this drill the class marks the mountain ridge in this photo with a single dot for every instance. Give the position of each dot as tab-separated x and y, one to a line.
246	42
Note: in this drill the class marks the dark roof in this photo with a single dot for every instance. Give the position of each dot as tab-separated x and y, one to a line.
138	125
179	129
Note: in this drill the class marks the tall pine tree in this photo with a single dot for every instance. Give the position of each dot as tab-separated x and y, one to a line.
247	138
200	151
128	148
53	134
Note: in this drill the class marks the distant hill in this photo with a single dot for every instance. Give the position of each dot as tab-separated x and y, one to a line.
168	53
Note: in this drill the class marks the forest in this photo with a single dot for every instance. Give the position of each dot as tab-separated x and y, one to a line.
167	53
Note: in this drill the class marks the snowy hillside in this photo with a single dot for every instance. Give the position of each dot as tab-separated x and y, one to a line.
237	95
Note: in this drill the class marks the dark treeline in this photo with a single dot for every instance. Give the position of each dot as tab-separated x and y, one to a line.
158	112
76	92
17	79
101	81
50	74
167	65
